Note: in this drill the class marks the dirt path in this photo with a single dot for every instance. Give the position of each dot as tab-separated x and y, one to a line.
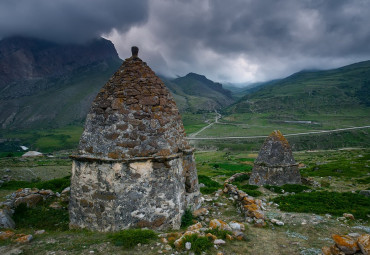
264	136
218	116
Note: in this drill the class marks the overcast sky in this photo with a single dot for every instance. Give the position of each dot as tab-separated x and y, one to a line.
228	41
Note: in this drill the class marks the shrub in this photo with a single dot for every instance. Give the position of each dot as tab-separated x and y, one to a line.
41	217
56	185
210	185
187	218
208	190
273	188
208	181
242	178
324	202
364	180
296	188
250	189
131	237
198	244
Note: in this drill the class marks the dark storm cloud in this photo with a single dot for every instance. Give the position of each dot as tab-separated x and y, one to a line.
236	40
69	20
272	38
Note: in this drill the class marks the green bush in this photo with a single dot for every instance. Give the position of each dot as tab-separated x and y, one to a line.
41	217
198	244
273	188
208	190
334	203
131	237
56	185
241	178
187	218
249	189
210	185
208	181
296	188
364	180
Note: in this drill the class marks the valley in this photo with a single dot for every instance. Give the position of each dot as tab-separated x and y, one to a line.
324	115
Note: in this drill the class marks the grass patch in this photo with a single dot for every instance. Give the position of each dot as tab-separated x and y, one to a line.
211	185
364	180
11	154
41	217
324	202
198	244
56	185
131	237
296	188
187	218
242	178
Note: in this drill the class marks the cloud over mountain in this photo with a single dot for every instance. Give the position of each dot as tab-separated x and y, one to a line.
239	40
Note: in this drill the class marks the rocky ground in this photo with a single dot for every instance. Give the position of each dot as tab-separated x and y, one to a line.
282	233
279	232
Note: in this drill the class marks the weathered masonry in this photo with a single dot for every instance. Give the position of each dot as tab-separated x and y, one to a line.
134	167
275	164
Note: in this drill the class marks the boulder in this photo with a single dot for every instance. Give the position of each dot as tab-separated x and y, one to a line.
200	212
365	193
32	154
6	220
216	223
364	243
5	235
24	239
346	244
30	200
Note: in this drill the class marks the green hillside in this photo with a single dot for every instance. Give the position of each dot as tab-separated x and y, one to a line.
337	91
195	92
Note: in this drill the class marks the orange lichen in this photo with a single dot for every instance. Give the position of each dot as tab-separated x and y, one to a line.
346	242
279	136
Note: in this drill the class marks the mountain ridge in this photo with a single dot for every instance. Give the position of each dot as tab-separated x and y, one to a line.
332	91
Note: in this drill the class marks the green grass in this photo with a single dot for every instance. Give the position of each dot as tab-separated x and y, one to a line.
296	188
343	164
198	244
41	217
364	180
187	218
334	203
56	185
47	140
131	237
211	185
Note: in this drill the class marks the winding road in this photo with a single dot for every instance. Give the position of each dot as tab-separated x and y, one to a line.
218	116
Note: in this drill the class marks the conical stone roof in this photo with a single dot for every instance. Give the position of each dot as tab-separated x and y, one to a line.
275	164
134	115
275	151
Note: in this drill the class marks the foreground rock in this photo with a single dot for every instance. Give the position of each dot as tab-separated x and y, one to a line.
346	244
251	207
26	196
275	164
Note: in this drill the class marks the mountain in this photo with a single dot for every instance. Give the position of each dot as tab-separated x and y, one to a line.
45	84
195	92
331	91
